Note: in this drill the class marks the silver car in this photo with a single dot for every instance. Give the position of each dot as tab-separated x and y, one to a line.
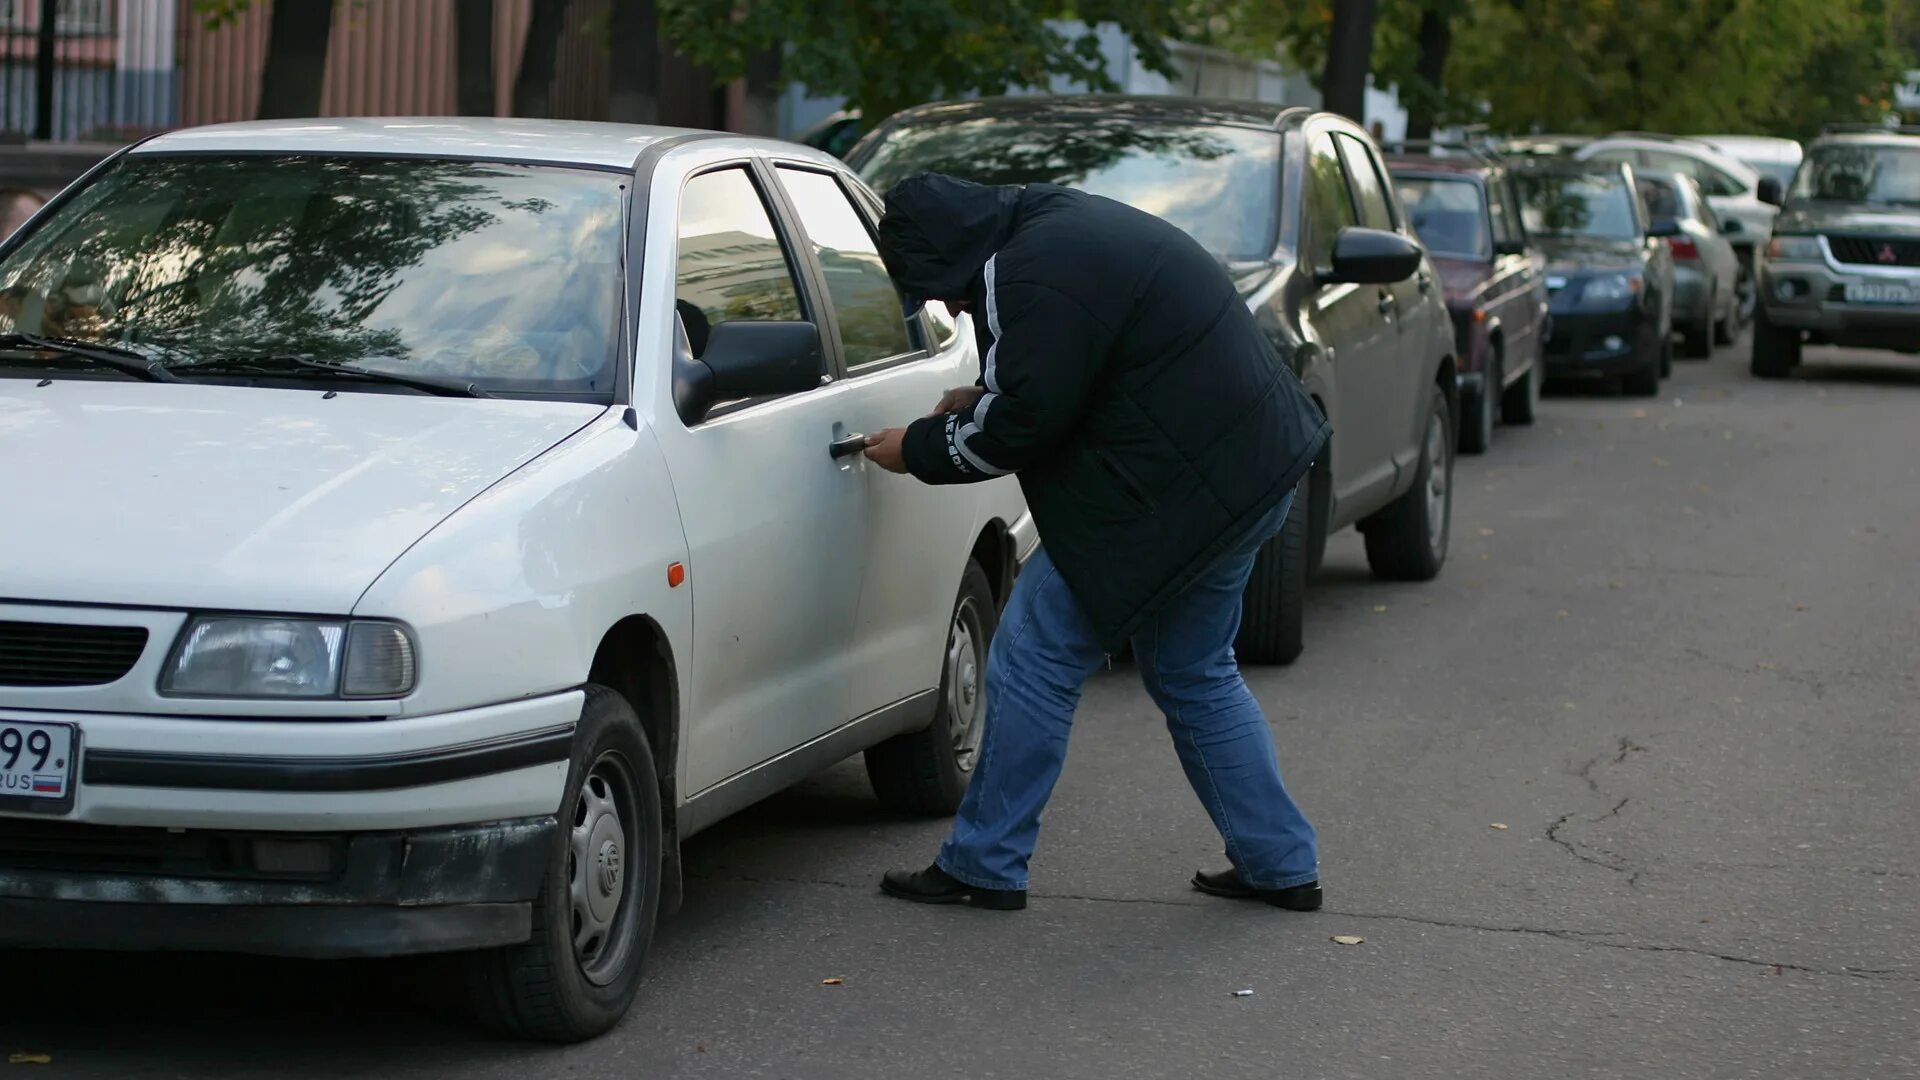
1706	272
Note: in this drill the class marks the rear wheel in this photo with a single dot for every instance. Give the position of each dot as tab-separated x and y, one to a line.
1645	380
927	772
1518	403
1699	338
1776	350
1726	327
1480	409
1273	606
1407	541
593	920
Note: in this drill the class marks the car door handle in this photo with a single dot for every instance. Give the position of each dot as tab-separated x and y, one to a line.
1387	303
1426	283
846	446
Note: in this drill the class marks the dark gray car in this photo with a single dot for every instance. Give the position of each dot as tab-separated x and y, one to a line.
1706	271
1298	206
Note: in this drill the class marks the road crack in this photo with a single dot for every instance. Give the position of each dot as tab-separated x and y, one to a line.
1592	854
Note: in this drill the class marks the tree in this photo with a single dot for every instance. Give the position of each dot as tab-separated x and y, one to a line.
633	91
1343	87
298	34
883	55
473	57
533	86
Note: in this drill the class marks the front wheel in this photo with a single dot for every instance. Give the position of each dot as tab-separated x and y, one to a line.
1407	541
1522	399
1480	410
927	772
1776	351
593	920
1644	381
1273	605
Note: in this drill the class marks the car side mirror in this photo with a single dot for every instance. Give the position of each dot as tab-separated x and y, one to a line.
1770	191
1730	226
1510	247
1372	257
745	358
1663	228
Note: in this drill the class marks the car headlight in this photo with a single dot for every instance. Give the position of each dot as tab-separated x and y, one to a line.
1611	287
1794	247
250	656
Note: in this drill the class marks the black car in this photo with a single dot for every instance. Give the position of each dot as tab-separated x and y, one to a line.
1298	206
1609	273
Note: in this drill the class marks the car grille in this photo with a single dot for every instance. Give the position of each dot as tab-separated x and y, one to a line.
71	847
65	654
1874	251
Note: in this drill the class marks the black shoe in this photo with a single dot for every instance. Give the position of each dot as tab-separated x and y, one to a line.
1227	883
935	886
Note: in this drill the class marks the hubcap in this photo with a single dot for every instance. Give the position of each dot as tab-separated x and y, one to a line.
1436	480
964	696
597	859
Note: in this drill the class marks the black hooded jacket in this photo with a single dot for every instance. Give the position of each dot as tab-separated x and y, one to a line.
1149	419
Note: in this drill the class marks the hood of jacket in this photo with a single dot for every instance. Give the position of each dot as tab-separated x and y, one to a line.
939	231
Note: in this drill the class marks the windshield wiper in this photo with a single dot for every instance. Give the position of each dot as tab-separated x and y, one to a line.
131	361
265	365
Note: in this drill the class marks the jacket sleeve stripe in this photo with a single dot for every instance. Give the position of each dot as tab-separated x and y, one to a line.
980	408
993	327
961	435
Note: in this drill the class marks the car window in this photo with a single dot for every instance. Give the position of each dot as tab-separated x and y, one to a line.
1370	194
1598	205
1662	199
1711	180
731	263
866	306
506	276
1330	201
1860	172
1500	214
1446	214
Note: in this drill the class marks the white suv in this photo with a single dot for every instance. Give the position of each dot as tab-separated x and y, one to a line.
414	529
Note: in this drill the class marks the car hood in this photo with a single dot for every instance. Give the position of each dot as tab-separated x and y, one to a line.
1569	255
239	498
1869	219
1462	280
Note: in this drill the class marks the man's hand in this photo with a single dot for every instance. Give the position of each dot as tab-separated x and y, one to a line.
960	397
884	449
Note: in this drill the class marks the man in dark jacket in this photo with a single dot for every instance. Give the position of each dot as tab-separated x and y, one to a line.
1158	438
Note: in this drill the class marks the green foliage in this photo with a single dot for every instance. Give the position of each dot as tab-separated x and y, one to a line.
884	55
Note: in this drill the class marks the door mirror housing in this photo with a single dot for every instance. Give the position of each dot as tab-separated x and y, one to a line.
1770	191
1372	257
1663	228
1730	226
745	358
1510	247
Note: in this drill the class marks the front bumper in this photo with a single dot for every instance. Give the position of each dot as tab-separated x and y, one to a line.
327	895
1811	296
1590	343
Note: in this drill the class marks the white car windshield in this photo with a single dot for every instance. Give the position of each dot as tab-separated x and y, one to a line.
1557	204
504	276
1861	172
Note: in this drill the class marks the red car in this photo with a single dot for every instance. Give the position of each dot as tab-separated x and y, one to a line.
1464	207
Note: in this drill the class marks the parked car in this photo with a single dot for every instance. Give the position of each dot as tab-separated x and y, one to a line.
1465	209
1764	154
1735	190
1296	203
835	135
1706	272
1538	146
388	569
1843	267
1609	273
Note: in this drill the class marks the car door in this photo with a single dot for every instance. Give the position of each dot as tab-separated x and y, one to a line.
1354	334
1514	298
1404	305
919	536
1716	249
776	527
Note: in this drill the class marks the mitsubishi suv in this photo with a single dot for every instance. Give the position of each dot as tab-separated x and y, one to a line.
1843	267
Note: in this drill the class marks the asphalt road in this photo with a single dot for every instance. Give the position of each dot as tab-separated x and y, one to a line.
1673	654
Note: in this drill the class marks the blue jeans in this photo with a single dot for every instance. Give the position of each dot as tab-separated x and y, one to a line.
1045	649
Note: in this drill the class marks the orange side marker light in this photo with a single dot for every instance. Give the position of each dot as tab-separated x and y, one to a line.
676	573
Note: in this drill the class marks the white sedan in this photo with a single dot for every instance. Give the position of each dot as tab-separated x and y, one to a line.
413	529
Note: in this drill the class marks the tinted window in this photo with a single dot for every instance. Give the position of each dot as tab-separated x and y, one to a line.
866	306
1861	172
1501	215
731	265
1370	194
1711	180
1329	200
1446	214
504	275
1220	184
1566	205
1662	199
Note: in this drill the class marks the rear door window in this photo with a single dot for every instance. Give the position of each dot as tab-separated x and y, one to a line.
1329	200
1369	191
866	306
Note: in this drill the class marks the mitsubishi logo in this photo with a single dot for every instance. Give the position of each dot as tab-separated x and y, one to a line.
1886	254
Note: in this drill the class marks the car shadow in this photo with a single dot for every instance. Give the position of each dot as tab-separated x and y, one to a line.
1891	374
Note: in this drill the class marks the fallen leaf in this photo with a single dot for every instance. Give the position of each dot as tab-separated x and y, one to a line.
29	1059
1799	607
1613	584
1775	970
1379	607
1347	939
1243	993
1498	825
1638	414
1766	665
1561	614
1483	556
1661	463
1571	706
832	982
1486	532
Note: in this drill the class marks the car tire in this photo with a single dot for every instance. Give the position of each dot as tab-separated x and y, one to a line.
555	987
926	772
1645	382
1776	351
1480	410
1273	605
1699	339
1521	400
1407	541
1727	328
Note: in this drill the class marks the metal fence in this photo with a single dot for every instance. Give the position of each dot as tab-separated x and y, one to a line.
85	69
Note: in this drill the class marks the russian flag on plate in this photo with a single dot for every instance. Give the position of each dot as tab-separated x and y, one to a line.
49	785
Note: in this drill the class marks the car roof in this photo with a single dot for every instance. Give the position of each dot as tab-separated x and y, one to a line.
555	142
1869	138
1254	114
1676	144
1415	164
1570	167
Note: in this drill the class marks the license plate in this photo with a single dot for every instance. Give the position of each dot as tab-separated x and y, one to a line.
36	765
1874	292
